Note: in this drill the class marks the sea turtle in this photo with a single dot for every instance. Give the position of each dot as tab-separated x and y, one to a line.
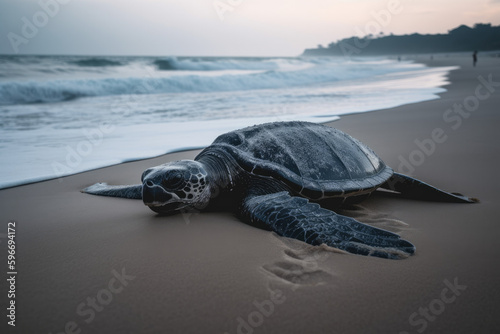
274	175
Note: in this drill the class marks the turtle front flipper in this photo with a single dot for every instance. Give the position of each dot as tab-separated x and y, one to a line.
416	189
296	217
103	189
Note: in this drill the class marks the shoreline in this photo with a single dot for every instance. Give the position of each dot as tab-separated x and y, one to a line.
208	272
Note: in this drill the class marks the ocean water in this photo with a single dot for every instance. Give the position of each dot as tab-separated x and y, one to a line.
61	115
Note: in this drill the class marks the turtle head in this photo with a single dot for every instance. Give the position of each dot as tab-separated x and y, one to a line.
176	186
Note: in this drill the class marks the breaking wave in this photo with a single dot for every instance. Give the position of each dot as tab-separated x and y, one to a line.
20	92
197	64
97	62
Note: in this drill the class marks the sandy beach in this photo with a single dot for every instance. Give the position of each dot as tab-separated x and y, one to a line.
89	264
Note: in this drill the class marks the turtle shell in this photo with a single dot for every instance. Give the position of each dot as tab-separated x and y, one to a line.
314	160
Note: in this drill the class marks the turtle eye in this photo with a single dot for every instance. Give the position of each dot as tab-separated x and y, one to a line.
173	180
146	172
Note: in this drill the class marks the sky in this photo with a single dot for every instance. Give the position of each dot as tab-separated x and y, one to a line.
220	27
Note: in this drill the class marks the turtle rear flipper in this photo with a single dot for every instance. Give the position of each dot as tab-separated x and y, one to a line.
412	188
295	217
104	189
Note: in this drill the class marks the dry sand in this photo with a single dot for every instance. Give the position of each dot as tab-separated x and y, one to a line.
89	264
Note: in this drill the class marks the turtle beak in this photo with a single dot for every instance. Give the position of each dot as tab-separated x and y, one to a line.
159	200
154	195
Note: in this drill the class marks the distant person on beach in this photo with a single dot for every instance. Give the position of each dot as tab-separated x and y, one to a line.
474	58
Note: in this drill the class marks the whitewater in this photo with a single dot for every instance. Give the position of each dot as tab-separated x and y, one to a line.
61	115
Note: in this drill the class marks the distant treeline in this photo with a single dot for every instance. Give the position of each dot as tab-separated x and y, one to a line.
483	37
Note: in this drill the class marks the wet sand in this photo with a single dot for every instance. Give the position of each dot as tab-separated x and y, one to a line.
89	264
